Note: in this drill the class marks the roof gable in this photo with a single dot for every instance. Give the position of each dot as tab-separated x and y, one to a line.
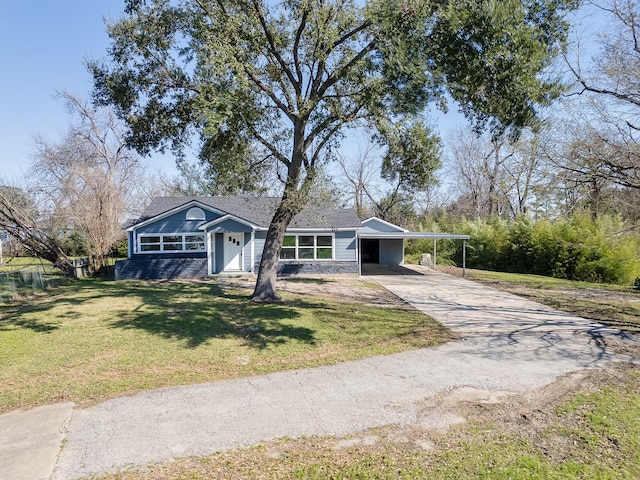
224	218
379	225
163	207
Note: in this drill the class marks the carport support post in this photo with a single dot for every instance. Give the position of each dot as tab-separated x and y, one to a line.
359	256
434	252
464	257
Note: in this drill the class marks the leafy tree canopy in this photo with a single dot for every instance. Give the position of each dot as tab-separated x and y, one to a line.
286	77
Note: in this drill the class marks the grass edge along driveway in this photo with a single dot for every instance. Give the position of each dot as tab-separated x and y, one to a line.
98	339
580	427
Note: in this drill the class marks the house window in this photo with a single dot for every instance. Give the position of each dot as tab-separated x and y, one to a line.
288	251
194	242
150	244
196	213
172	243
307	247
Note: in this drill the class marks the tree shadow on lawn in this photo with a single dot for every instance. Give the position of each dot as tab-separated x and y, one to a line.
172	310
68	298
220	315
11	318
35	325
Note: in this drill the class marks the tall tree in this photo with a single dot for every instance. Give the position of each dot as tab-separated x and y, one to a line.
494	176
587	159
30	224
407	168
289	76
610	77
358	174
477	167
89	179
614	70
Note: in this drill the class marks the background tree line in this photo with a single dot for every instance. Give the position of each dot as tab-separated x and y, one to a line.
78	192
560	199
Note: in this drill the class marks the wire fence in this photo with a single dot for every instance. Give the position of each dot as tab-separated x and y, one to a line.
27	281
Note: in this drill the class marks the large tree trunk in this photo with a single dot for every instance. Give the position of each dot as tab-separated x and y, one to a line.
293	201
265	290
290	206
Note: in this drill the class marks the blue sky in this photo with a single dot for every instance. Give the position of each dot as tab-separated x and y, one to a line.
43	47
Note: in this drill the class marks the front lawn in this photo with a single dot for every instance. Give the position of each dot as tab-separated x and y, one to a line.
96	339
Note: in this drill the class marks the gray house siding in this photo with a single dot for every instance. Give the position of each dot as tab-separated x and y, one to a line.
219	253
391	252
258	246
229	225
130	244
177	223
376	225
345	246
246	253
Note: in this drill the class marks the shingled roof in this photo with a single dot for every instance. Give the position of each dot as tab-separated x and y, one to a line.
257	211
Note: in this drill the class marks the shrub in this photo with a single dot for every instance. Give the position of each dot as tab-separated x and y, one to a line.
575	248
120	248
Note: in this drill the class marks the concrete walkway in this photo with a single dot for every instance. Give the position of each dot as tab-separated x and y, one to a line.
507	344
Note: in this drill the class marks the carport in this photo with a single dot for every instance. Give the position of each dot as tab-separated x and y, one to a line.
387	248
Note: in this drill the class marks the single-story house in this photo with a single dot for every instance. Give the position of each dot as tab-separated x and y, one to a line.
194	237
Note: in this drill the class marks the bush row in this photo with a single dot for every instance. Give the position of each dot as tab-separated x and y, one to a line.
603	250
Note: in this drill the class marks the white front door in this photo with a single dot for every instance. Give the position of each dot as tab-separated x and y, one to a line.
233	243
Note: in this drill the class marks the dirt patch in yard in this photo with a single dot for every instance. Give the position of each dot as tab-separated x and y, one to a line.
348	288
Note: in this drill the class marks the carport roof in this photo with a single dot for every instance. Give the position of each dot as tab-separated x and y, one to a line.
408	235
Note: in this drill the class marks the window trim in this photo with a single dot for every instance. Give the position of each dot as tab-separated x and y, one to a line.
161	243
297	247
195	213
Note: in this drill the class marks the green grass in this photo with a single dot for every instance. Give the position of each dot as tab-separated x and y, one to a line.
11	264
542	282
596	434
96	339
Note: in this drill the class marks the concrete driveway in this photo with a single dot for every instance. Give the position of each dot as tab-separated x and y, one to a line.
506	345
470	308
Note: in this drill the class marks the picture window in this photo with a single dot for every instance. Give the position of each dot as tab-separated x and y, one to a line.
307	247
172	243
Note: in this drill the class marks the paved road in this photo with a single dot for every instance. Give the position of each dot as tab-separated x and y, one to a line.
506	344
